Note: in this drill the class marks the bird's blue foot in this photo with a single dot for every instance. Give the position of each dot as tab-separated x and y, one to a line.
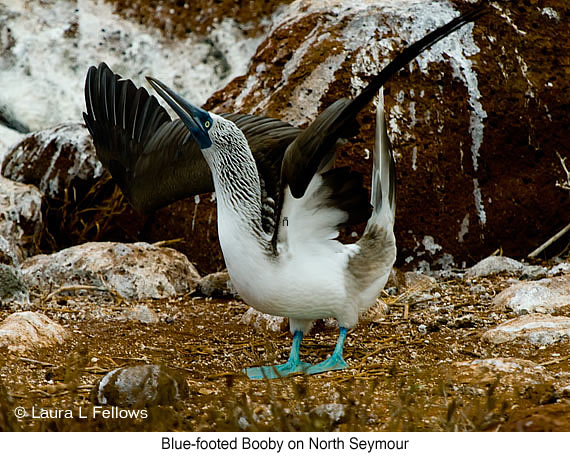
277	371
335	362
281	370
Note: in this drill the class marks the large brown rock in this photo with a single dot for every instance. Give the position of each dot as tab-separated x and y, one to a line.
475	121
199	16
20	220
55	160
82	204
193	221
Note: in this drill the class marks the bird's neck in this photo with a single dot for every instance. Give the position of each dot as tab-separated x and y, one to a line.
242	239
238	194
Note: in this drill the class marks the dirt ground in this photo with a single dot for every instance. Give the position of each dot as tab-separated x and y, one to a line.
402	374
403	371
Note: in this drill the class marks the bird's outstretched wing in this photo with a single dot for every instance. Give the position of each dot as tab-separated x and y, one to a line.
154	159
311	193
312	149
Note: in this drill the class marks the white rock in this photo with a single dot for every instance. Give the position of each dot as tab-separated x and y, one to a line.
533	272
135	271
8	139
508	365
334	411
20	219
536	329
564	391
477	289
25	331
140	386
264	322
543	296
509	371
419	281
375	313
8	251
140	313
243	423
494	265
561	267
13	290
217	284
47	48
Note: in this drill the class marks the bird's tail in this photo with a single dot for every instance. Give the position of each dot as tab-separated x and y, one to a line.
383	185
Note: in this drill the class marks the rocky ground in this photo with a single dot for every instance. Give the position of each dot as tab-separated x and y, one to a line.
460	352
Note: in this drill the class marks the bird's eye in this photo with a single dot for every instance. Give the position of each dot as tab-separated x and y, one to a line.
207	124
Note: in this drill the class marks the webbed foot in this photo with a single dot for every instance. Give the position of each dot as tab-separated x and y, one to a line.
335	362
277	371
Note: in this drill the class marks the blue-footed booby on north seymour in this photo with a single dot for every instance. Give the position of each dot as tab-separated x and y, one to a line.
280	202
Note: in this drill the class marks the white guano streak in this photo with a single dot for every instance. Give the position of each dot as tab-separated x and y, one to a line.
479	202
460	48
291	66
416	18
196	202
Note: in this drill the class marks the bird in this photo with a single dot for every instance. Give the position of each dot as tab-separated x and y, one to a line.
280	200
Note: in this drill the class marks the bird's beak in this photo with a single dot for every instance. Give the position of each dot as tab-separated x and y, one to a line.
189	114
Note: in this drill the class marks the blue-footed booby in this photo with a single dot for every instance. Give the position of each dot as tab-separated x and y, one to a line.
280	201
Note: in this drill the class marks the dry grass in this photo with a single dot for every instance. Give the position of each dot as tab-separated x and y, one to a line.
399	379
83	215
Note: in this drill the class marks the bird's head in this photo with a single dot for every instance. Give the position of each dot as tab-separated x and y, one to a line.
223	144
199	122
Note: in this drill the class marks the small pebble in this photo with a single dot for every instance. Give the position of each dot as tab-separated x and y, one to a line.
392	291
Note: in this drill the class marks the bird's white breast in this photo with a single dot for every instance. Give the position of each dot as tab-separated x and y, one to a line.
306	285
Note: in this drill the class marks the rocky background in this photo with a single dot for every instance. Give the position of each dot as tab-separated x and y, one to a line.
479	125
